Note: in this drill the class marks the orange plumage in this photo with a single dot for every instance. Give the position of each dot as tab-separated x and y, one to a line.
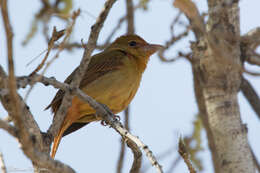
112	78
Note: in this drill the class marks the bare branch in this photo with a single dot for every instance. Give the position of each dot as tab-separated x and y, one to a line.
101	110
9	128
252	38
251	96
136	151
2	163
172	41
15	111
168	152
66	101
122	148
31	142
55	36
137	156
121	157
174	22
130	17
185	155
29	134
27	117
253	58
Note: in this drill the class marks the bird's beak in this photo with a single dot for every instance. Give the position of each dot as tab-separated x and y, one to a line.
152	48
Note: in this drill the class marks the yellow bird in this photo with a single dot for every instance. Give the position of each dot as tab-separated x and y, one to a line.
112	78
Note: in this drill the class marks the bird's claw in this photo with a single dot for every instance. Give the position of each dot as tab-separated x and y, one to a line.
117	117
104	123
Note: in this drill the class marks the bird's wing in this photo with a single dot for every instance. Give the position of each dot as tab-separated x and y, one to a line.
99	65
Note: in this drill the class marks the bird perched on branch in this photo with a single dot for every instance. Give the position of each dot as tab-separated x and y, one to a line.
112	78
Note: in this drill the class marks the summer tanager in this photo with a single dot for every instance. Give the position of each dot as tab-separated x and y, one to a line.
112	78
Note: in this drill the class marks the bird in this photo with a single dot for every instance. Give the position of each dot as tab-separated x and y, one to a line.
112	78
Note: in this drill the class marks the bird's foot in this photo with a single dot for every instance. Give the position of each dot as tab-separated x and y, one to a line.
104	123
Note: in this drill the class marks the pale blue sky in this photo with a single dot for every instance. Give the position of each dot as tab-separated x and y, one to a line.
162	110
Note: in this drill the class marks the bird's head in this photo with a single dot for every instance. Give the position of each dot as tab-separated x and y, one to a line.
135	45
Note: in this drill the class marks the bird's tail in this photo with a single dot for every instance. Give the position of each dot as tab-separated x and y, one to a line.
57	138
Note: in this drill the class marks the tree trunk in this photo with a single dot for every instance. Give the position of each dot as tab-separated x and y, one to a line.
218	72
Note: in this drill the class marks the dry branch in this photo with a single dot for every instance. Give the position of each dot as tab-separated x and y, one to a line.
137	156
136	151
253	58
122	148
185	155
66	101
2	163
29	133
9	128
252	38
101	110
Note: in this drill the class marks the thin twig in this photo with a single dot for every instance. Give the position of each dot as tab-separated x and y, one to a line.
185	155
70	46
174	22
66	101
2	163
122	148
252	38
253	58
9	40
136	151
160	156
55	36
170	43
130	17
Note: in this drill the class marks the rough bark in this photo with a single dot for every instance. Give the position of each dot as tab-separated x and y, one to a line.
216	63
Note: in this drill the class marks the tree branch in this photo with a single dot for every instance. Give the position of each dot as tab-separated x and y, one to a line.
29	133
2	163
252	38
66	101
251	96
101	110
9	128
122	148
137	156
32	142
185	155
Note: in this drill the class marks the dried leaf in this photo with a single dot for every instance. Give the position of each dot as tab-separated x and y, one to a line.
187	7
191	11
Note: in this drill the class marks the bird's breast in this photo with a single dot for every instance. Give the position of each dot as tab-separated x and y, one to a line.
115	89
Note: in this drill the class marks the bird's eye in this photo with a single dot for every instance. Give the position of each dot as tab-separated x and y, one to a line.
132	43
